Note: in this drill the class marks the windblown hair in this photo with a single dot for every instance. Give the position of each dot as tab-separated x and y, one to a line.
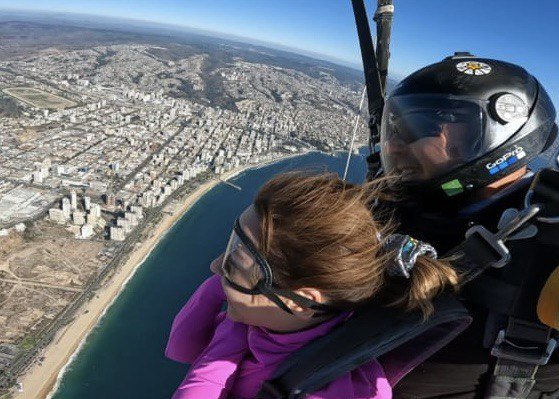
321	232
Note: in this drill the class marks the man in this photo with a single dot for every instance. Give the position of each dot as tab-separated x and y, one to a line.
466	136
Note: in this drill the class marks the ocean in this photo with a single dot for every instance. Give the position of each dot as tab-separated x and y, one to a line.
123	357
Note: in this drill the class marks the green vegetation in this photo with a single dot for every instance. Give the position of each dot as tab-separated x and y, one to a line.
39	98
28	343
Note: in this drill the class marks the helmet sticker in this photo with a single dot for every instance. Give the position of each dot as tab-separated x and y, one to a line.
508	159
453	187
473	68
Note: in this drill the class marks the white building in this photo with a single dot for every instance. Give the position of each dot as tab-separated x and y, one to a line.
74	200
87	203
20	227
87	231
37	177
57	215
59	170
95	210
78	218
137	210
125	224
117	233
66	207
101	223
44	172
131	217
91	219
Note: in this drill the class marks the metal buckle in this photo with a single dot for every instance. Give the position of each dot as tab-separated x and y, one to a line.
497	240
496	244
537	354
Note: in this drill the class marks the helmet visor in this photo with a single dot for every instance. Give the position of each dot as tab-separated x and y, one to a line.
426	136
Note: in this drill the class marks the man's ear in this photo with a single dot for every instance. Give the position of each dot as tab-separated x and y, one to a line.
301	311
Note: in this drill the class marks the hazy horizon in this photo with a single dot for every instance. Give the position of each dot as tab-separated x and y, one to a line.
146	24
422	32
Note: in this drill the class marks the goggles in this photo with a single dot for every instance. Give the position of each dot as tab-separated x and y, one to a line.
245	270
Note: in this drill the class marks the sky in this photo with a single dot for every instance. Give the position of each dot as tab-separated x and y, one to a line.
424	31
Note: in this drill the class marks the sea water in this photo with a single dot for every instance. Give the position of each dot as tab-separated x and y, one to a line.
123	357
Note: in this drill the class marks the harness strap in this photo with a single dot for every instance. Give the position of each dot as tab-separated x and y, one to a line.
372	79
359	340
491	293
520	349
511	379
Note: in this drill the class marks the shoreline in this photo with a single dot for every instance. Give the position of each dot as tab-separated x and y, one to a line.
42	381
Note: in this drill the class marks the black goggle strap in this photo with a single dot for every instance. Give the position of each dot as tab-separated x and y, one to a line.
320	308
268	293
262	263
240	288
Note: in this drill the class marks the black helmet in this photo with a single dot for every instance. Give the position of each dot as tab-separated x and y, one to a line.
464	123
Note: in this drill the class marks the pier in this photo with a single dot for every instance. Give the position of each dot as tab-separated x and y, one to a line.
231	184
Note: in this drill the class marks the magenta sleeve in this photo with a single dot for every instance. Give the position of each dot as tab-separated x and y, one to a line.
213	373
194	325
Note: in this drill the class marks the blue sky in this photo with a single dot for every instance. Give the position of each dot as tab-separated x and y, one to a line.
424	31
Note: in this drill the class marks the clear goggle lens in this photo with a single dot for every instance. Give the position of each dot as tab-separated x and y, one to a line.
240	265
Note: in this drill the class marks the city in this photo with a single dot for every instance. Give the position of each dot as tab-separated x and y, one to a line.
98	142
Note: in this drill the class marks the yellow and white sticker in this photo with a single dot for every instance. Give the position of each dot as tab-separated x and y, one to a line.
474	68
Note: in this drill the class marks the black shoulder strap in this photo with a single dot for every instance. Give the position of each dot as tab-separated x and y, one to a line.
358	340
375	93
375	70
521	346
483	249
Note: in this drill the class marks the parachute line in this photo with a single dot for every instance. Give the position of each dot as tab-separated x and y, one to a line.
354	131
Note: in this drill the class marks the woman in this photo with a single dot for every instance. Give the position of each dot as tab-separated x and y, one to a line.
299	260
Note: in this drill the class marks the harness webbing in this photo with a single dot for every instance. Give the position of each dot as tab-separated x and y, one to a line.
358	341
521	348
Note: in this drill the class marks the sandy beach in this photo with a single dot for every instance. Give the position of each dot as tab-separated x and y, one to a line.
39	380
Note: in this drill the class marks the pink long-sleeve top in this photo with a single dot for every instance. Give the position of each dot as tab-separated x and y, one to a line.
230	359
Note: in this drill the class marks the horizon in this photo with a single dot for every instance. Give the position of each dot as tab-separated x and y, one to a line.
196	30
422	34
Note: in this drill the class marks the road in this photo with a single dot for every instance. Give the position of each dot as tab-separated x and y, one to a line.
43	285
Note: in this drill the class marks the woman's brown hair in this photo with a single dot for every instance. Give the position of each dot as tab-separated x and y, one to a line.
319	231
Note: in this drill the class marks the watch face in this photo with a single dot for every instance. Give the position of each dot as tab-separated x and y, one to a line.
474	68
509	107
